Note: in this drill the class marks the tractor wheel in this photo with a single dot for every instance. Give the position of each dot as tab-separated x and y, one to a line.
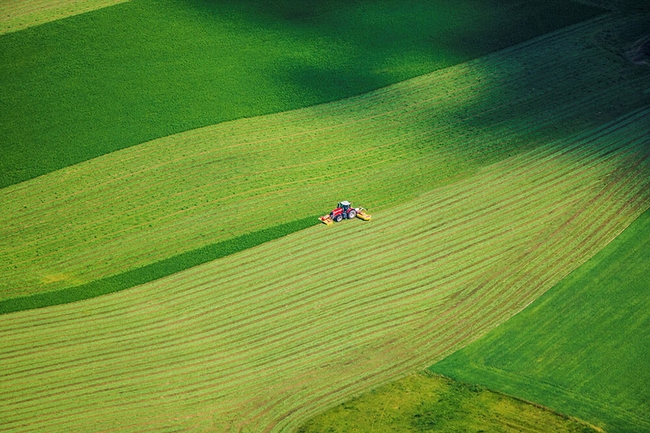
352	214
338	218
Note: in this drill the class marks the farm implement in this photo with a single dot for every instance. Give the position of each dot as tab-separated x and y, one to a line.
344	210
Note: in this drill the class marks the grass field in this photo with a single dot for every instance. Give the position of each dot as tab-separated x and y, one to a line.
94	83
489	182
175	195
581	348
263	339
425	403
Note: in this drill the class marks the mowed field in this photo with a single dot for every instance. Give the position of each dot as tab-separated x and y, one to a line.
174	195
263	339
489	182
583	347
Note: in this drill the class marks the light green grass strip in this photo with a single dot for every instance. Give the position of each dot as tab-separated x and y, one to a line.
425	403
148	203
263	339
20	14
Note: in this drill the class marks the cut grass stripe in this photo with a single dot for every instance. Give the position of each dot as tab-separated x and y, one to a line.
154	271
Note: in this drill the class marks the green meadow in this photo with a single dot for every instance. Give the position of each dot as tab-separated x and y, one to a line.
583	347
162	165
77	88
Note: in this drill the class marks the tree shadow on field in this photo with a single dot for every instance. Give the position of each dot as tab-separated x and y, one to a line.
351	47
95	83
563	86
556	91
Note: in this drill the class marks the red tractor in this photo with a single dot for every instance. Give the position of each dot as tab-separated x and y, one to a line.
344	210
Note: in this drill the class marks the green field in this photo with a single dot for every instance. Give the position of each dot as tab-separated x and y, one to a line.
94	83
427	403
169	197
161	147
265	338
583	347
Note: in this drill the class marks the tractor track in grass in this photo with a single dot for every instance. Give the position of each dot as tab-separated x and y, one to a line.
261	340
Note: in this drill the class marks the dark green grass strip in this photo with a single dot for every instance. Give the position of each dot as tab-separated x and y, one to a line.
583	347
81	87
156	270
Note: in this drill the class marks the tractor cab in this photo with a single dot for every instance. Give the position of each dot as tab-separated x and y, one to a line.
345	205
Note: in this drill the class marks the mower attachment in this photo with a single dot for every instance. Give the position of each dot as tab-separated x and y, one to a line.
326	219
361	213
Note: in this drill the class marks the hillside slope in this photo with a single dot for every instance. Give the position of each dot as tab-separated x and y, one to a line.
263	339
164	198
94	83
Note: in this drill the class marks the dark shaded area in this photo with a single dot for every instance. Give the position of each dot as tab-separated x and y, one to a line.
156	270
91	84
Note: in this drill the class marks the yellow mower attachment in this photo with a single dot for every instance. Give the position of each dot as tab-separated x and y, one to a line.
326	219
361	213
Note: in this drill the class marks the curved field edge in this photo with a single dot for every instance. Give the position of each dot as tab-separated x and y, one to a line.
582	347
154	271
425	402
18	15
99	82
264	339
158	200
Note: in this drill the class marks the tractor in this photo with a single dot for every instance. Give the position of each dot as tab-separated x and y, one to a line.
344	210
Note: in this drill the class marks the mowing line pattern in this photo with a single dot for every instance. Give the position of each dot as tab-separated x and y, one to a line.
148	203
263	339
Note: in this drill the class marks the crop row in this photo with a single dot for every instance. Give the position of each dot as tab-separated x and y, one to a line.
161	199
262	339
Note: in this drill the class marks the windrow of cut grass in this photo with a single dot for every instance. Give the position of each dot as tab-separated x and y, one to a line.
583	347
85	86
263	339
20	14
171	196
